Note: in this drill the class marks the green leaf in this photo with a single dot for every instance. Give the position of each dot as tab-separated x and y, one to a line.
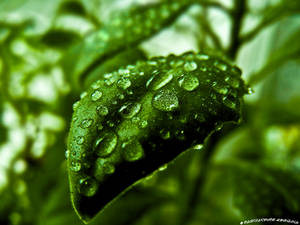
131	122
262	191
123	31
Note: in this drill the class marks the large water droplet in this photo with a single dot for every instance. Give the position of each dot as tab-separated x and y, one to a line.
190	66
189	83
86	123
80	140
124	83
165	100
88	187
75	166
106	144
160	80
103	167
96	95
130	109
132	150
102	110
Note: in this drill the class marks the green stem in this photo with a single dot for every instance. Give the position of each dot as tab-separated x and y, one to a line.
237	16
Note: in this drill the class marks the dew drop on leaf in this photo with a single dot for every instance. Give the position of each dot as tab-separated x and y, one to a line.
102	110
106	144
160	80
188	83
80	140
132	150
86	123
129	110
190	66
88	186
96	95
75	166
165	100
124	83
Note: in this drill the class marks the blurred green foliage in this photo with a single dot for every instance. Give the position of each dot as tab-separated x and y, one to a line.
242	173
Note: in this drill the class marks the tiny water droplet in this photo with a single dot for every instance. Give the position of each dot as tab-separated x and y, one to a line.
67	154
163	167
86	123
250	90
165	100
135	119
124	83
229	103
176	63
75	105
143	124
96	84
75	166
190	66
132	150
233	82
219	88
164	134
202	57
106	144
129	110
83	94
96	95
203	68
80	140
189	83
88	187
102	110
220	66
197	147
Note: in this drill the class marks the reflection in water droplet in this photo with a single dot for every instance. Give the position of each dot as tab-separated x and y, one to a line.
96	95
86	123
189	83
124	83
102	110
129	110
75	166
88	187
190	66
106	144
80	140
165	100
132	150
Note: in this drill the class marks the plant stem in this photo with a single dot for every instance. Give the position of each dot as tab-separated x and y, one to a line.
237	16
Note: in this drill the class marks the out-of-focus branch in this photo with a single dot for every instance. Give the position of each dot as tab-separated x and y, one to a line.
237	16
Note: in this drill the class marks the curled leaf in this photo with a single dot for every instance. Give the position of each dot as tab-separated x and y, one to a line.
131	122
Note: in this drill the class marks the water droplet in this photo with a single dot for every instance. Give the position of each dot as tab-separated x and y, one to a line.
124	83
189	83
106	144
152	63
96	84
190	66
197	147
67	154
96	95
80	140
75	166
250	90
86	123
129	110
121	96
180	134
229	103
165	100
233	82
220	66
202	57
160	80
219	88
75	105
203	68
149	81
132	150
88	187
164	134
176	63
143	124
103	167
83	94
163	167
102	110
141	73
135	119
